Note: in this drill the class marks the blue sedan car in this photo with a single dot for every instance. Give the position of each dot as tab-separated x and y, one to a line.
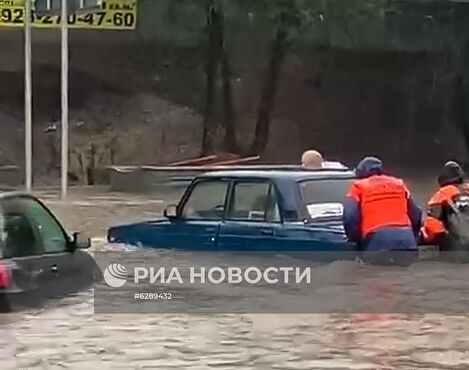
287	210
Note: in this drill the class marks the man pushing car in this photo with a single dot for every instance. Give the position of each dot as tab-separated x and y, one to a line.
380	214
447	222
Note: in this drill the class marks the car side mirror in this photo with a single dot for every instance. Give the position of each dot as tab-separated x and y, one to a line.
170	212
81	241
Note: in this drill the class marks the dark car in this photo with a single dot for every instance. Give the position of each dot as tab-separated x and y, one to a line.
251	211
38	259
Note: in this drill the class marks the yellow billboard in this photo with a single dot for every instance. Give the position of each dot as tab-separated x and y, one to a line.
113	15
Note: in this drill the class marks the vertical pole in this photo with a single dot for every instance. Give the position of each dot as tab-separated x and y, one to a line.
28	142
64	38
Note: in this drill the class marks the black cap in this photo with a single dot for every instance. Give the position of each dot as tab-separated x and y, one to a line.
369	166
451	174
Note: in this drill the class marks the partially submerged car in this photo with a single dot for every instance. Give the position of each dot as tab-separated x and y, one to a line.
38	259
287	210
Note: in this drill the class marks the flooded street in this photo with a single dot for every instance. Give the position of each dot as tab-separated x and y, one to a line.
67	335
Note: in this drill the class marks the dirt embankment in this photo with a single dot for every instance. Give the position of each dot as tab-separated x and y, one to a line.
142	105
106	127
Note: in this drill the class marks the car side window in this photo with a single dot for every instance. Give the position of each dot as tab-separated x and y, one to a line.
254	201
48	229
206	201
17	236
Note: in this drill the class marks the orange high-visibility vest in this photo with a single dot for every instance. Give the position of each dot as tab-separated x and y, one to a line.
434	227
383	202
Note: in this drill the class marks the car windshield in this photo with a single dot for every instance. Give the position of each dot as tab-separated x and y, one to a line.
325	198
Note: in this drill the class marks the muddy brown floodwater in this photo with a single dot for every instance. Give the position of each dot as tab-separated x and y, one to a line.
67	335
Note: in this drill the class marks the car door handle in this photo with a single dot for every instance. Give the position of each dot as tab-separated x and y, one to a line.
54	269
36	273
267	232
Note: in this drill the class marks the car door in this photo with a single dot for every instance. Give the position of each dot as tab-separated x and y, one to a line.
200	214
62	269
323	231
21	251
253	219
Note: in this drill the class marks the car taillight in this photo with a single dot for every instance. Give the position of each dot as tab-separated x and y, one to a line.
4	277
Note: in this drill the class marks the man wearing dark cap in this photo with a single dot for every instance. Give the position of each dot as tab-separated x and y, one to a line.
447	222
380	214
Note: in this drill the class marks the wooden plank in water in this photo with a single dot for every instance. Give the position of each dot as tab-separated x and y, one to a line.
237	161
216	167
210	159
194	161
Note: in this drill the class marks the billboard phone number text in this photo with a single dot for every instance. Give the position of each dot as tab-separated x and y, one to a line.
111	19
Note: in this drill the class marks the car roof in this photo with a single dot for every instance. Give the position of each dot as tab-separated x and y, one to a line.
295	175
8	193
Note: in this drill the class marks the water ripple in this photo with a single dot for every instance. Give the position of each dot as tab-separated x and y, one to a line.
67	334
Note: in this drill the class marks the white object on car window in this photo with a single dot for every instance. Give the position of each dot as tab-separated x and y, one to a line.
333	165
325	210
256	215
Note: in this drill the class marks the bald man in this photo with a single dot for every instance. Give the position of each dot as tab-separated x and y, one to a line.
313	160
